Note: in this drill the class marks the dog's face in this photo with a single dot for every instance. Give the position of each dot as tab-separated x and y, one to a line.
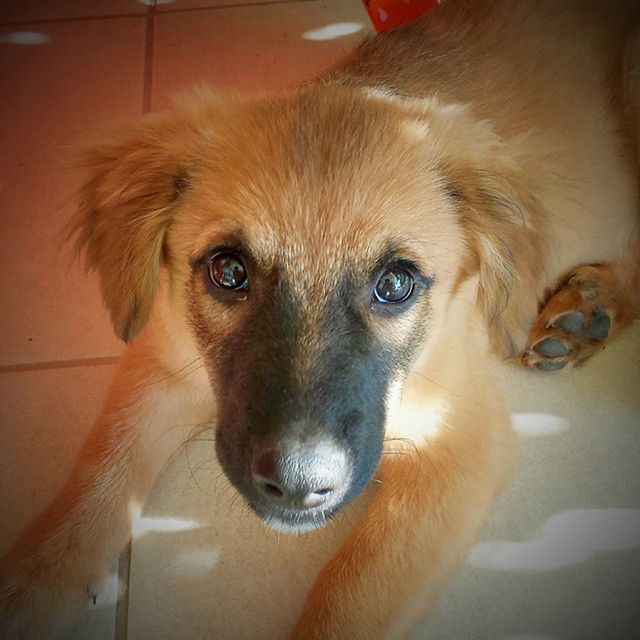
312	243
314	246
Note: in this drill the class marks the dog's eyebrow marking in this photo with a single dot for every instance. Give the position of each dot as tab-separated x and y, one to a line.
230	241
394	254
391	253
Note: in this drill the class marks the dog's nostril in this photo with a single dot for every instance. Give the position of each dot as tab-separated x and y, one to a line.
316	498
272	490
299	476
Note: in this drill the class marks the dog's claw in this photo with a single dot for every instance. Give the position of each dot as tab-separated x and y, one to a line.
549	365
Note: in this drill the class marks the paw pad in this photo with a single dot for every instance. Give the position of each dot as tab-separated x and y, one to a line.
552	347
572	322
599	327
573	325
588	288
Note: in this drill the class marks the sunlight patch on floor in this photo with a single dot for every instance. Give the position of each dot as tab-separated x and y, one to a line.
25	37
141	525
333	31
145	525
566	539
195	562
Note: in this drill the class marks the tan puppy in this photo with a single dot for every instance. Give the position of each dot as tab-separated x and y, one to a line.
325	272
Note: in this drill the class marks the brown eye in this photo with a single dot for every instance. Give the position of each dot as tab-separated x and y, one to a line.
395	285
227	271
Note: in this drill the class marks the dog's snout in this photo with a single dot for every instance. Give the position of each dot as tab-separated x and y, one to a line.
300	477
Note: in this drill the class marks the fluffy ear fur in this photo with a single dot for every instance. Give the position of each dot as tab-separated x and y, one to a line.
505	252
125	207
501	218
499	212
133	182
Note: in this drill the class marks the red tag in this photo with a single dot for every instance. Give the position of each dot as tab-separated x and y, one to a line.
387	14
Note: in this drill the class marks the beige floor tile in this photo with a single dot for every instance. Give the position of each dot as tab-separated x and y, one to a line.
202	567
99	621
254	47
45	415
34	10
85	74
560	557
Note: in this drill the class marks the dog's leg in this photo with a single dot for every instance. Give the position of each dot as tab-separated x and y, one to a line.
450	451
593	304
425	517
62	557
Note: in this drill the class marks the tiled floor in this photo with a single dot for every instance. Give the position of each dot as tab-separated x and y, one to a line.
227	578
67	67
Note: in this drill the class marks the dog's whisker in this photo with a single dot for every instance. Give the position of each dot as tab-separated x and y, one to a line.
193	477
452	394
174	374
185	375
396	453
407	441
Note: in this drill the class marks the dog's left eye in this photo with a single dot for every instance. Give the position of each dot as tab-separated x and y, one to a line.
227	271
394	285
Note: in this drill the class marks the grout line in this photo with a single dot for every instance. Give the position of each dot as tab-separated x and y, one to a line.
147	77
114	16
167	11
122	604
58	364
231	5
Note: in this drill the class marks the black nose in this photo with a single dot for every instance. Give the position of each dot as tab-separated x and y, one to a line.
300	476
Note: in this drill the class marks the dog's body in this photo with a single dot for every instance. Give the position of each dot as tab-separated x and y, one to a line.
478	155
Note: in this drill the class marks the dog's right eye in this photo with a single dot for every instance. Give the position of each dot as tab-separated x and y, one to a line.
394	285
227	271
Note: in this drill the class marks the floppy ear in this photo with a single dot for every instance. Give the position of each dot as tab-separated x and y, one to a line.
134	179
500	216
505	252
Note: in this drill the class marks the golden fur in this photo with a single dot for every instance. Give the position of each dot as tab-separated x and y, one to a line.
495	140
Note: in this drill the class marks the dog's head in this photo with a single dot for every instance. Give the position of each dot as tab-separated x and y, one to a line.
313	243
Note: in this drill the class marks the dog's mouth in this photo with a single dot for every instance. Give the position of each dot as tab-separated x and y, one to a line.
293	520
293	484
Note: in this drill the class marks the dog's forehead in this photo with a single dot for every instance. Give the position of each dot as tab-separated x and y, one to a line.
317	184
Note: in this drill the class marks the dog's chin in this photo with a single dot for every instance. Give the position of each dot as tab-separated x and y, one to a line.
291	521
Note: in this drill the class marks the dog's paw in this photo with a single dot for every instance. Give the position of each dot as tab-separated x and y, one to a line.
573	325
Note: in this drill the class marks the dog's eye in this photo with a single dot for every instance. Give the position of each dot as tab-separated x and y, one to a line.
395	285
227	271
